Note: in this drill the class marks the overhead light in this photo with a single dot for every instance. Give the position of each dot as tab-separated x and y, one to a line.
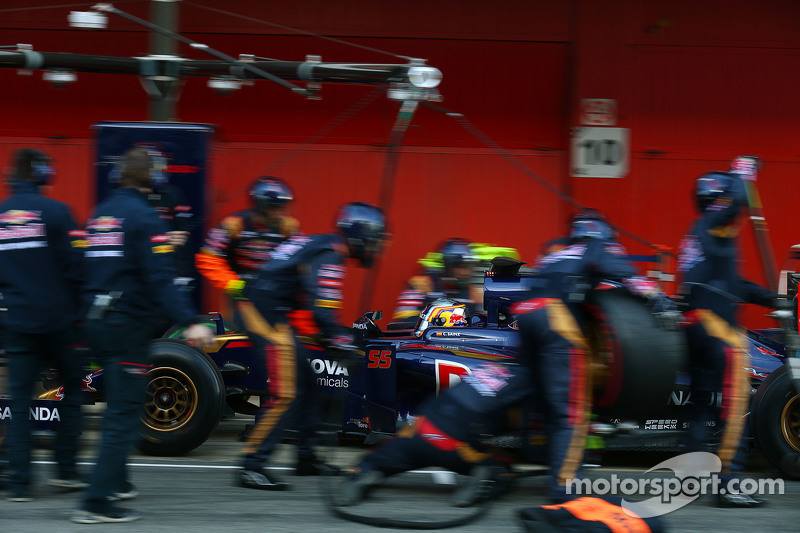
424	77
87	19
59	78
225	85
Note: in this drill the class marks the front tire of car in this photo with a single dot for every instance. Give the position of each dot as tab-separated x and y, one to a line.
185	399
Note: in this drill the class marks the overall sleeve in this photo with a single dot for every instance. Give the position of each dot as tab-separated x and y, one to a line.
70	243
154	251
323	281
412	300
213	259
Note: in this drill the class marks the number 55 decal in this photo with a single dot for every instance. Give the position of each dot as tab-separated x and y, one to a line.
379	359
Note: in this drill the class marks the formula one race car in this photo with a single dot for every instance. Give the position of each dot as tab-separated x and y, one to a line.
640	388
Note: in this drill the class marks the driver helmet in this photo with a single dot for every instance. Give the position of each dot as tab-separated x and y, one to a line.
442	313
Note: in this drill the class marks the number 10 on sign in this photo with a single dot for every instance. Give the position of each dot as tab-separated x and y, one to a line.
599	152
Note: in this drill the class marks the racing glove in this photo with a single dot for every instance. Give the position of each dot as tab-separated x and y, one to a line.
234	289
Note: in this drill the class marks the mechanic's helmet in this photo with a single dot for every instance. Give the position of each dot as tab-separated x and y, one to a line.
711	186
456	252
268	192
363	227
442	313
591	224
32	165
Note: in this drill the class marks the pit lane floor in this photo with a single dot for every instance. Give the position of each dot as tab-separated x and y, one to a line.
196	493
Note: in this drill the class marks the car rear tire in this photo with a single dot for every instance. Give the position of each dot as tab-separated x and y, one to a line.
634	360
775	422
185	399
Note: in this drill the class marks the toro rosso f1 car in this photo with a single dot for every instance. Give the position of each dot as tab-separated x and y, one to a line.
640	387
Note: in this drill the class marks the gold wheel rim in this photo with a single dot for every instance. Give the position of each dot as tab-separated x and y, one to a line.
171	399
790	422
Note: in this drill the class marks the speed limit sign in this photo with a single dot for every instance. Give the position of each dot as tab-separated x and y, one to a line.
599	152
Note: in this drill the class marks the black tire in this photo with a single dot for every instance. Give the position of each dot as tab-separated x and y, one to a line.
775	422
185	399
175	331
634	360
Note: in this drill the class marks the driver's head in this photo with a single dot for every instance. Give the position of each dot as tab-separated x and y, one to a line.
442	313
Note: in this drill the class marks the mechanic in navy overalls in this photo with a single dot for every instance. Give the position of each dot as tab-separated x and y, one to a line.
130	273
449	275
552	370
238	247
711	289
305	271
41	276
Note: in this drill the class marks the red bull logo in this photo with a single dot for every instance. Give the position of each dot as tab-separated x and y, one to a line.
105	223
86	385
18	216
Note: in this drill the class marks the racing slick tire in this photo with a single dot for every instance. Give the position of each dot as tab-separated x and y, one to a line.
185	399
634	359
775	422
207	320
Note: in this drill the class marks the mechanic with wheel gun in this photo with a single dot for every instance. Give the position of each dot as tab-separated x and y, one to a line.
236	250
449	273
305	271
711	290
130	275
552	372
41	277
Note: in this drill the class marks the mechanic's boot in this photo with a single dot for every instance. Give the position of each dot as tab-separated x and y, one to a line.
311	466
258	479
354	488
738	499
482	483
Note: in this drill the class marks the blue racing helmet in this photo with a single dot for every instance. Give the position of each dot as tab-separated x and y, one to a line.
591	224
711	186
267	192
456	252
363	227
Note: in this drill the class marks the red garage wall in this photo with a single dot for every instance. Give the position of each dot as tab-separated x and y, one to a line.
696	84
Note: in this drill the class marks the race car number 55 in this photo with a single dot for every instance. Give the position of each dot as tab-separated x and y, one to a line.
379	359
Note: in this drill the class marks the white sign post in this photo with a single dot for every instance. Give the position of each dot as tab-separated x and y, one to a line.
599	152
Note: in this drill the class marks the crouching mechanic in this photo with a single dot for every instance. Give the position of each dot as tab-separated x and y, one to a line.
129	272
439	436
712	289
305	271
551	370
